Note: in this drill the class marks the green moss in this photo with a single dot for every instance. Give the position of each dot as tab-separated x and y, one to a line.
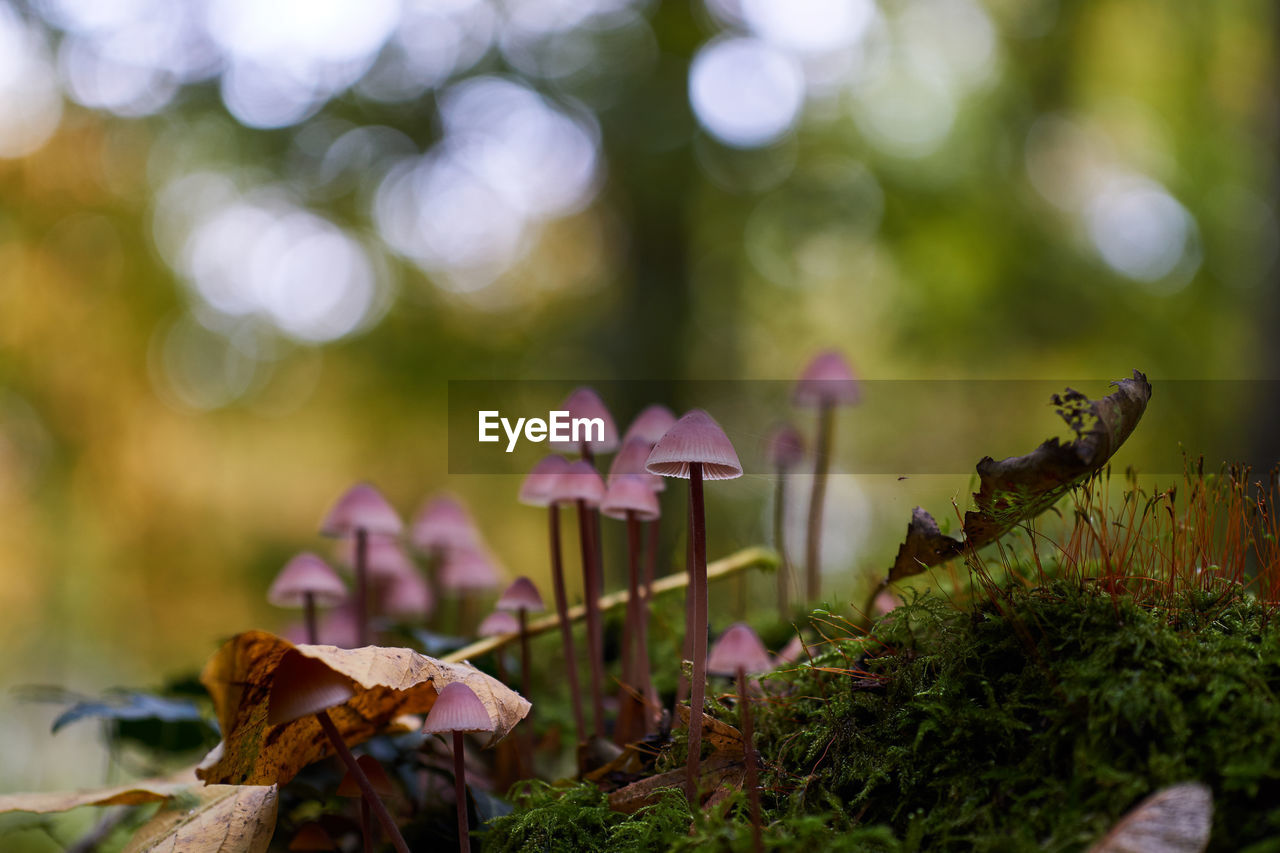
578	818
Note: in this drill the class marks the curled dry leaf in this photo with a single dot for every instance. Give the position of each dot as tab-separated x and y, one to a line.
134	794
222	819
721	770
388	683
1174	820
1022	487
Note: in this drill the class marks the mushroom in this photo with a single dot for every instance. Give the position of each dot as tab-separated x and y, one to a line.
350	789
784	450
302	687
360	513
497	624
522	598
539	489
584	403
739	653
827	382
443	523
581	484
312	836
307	581
395	586
650	425
630	499
696	448
458	710
466	574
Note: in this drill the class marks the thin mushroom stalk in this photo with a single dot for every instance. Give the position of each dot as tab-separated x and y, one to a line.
780	545
366	787
458	710
309	616
362	586
698	688
738	652
817	498
749	754
595	636
566	627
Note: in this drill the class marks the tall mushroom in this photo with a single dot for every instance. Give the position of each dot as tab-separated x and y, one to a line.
458	710
308	582
630	498
696	448
827	382
539	489
784	450
467	574
362	512
302	687
522	598
739	653
382	786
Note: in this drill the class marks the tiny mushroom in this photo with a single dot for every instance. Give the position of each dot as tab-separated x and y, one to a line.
382	785
739	653
522	598
302	687
696	448
784	450
467	574
441	525
308	582
458	710
650	425
497	624
362	512
596	432
827	382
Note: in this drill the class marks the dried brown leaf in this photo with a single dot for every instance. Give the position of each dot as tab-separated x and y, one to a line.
133	794
224	819
718	771
1022	487
1174	820
389	683
720	735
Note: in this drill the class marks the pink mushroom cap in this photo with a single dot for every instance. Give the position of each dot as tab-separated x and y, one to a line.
469	570
307	573
539	483
829	379
408	595
631	459
384	558
696	437
362	507
630	493
457	709
443	523
586	403
497	623
521	595
579	482
738	648
784	447
650	425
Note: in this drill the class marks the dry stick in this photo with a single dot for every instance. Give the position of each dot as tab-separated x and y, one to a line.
780	545
562	620
592	593
749	753
366	788
309	615
821	464
698	696
460	791
362	589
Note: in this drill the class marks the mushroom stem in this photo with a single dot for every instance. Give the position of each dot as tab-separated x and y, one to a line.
646	669
366	787
591	592
526	673
309	615
686	649
632	699
780	544
821	464
362	587
566	627
749	753
460	792
698	535
366	825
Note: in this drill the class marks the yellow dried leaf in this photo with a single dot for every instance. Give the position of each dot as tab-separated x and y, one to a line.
133	794
388	682
224	819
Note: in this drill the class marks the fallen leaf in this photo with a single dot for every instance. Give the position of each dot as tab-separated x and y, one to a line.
720	735
133	794
223	819
1022	487
389	683
1174	820
716	772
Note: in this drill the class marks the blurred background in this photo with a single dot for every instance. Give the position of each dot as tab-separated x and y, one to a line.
244	246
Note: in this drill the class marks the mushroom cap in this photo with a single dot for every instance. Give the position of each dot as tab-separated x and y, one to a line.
498	622
443	523
784	447
384	558
650	425
408	595
306	573
374	772
521	595
631	460
586	403
696	437
828	379
312	836
540	481
738	647
468	570
579	482
361	507
630	493
303	686
457	709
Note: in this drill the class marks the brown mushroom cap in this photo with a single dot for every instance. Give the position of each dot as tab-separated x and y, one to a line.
696	437
521	595
362	507
307	573
303	686
457	709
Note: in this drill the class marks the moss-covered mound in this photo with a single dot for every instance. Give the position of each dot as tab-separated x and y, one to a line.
1032	721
